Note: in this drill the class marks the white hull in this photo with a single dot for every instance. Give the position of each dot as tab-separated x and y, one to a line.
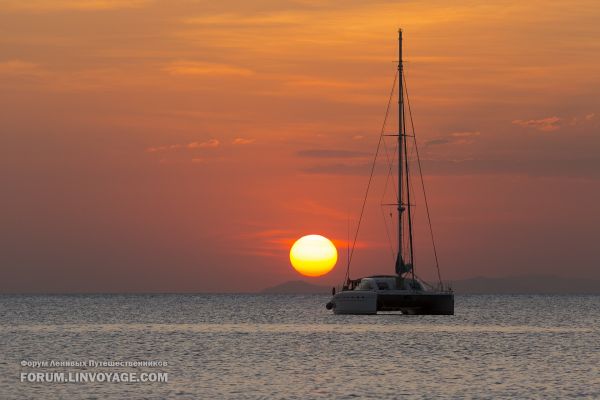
355	302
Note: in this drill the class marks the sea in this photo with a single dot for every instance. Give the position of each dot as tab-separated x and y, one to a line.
227	346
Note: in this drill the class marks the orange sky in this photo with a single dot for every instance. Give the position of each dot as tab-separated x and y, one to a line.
182	145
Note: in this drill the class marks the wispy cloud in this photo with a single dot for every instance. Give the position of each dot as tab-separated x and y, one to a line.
587	168
465	134
315	208
242	141
267	242
435	142
339	169
343	162
155	149
330	153
226	19
184	67
545	124
307	81
582	119
203	145
59	5
463	137
212	143
182	161
20	67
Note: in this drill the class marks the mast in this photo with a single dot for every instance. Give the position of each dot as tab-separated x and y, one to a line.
403	172
399	260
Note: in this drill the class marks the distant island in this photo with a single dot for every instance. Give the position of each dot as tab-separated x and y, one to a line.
530	284
297	287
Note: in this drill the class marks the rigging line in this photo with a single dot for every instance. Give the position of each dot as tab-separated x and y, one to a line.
362	210
387	180
413	206
411	158
387	232
390	164
437	264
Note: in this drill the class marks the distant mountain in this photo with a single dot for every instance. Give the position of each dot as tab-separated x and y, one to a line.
297	287
540	284
531	284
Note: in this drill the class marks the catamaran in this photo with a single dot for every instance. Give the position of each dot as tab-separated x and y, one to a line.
403	291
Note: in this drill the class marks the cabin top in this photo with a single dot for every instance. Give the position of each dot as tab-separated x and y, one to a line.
389	282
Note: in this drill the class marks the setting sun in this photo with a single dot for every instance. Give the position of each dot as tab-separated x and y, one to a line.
313	255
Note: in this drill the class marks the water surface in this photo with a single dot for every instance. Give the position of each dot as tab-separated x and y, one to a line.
286	346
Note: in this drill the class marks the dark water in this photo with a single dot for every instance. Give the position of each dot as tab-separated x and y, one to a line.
272	346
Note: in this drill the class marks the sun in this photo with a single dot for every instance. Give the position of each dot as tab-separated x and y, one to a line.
313	255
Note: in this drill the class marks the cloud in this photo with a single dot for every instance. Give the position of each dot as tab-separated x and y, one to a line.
59	5
465	134
435	142
163	148
312	207
580	168
582	119
311	153
306	81
212	143
465	137
267	242
203	145
588	168
242	141
20	67
339	169
260	20
545	124
184	67
183	160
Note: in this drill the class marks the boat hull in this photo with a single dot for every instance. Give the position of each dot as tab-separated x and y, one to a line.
355	302
413	303
417	303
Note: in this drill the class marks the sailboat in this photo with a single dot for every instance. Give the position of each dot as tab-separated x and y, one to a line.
402	291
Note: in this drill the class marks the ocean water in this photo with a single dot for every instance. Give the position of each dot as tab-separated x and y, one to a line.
291	347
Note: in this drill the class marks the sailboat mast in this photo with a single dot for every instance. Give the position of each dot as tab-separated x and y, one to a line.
400	145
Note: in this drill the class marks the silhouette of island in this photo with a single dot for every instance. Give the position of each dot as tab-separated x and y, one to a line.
297	287
529	284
